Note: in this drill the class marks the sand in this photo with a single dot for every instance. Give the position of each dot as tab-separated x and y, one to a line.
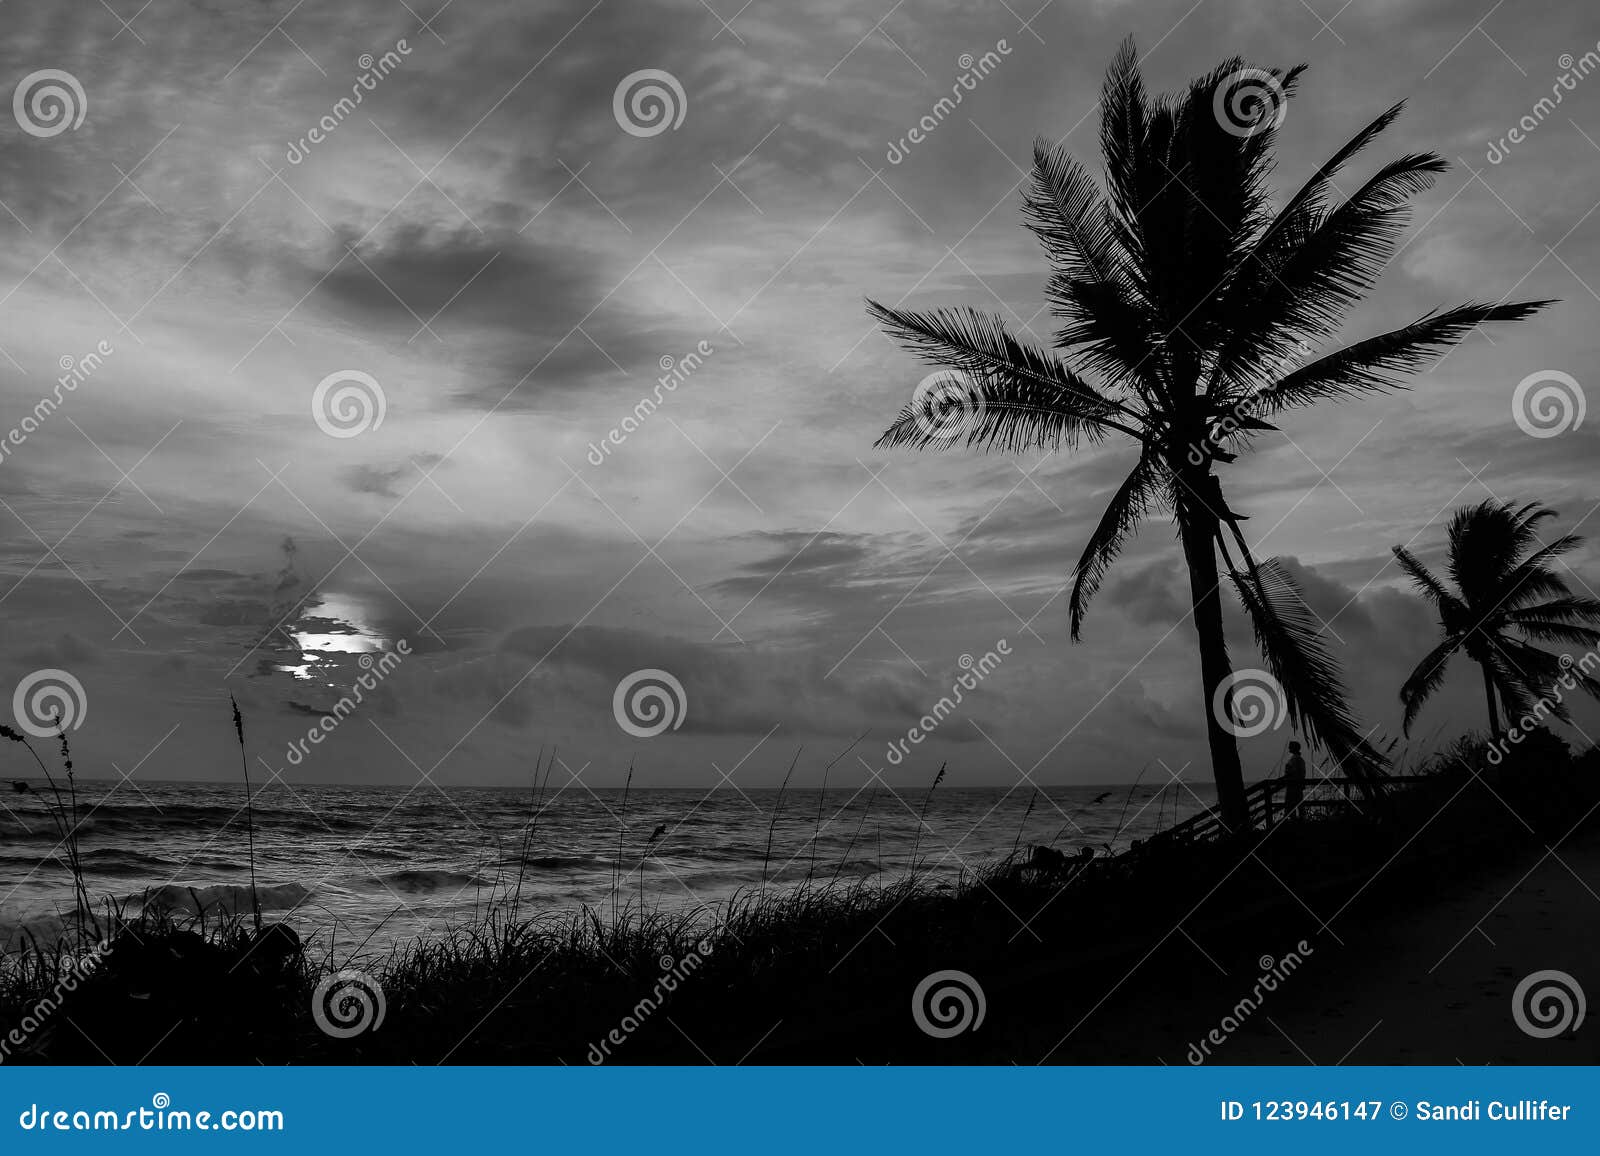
1390	979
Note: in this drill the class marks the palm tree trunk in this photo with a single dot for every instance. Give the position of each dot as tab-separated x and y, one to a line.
1198	532
1494	712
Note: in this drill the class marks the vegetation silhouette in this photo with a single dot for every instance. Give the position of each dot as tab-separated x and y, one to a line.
1184	300
1504	586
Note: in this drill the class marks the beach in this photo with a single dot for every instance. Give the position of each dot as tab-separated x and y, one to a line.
1424	974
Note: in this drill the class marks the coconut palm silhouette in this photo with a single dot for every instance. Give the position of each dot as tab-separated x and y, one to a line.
1504	587
1188	309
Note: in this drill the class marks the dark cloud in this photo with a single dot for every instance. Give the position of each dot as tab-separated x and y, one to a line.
1156	594
385	481
730	689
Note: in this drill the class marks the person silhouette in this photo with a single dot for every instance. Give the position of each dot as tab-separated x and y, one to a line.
1294	776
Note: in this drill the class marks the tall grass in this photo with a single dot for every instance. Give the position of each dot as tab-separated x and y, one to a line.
249	811
777	809
539	985
64	815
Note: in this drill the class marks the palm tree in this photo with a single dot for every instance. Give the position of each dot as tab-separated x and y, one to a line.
1504	587
1186	302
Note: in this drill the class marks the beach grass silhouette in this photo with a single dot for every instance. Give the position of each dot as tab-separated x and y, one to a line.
805	972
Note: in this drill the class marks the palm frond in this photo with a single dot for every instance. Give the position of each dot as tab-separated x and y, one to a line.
1548	630
1376	364
1015	395
1426	581
1123	129
1290	638
1129	506
1535	675
1517	698
1063	207
1573	610
1486	542
1311	196
1317	267
1533	579
1426	678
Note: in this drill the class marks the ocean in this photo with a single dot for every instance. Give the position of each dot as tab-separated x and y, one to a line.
372	868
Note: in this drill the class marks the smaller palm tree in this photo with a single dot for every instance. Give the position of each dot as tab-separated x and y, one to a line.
1504	587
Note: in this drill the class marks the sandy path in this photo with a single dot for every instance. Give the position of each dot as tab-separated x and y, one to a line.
1397	979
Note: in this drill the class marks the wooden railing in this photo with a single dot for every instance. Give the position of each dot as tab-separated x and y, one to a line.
1266	805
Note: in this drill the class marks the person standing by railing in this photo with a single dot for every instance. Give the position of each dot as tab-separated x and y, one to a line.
1294	778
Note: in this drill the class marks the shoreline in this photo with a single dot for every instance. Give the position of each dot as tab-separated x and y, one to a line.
1128	959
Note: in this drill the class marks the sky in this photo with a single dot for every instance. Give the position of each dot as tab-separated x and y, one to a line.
493	257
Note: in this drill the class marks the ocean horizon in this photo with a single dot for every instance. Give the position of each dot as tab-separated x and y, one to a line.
381	866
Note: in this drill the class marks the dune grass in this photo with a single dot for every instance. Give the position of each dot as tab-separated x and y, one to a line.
816	970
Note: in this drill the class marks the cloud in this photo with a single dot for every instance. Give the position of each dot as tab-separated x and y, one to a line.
729	689
1156	594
